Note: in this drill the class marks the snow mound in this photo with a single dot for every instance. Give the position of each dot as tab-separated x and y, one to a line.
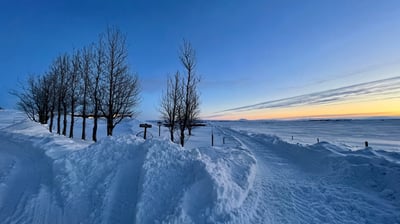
201	185
155	181
122	179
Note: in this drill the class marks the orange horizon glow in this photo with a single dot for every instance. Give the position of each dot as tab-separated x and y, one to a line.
364	109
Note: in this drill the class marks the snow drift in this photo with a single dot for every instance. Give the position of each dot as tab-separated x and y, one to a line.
121	179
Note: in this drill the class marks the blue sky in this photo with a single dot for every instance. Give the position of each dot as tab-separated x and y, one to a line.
248	52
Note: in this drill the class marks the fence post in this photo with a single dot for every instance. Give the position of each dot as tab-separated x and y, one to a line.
159	128
212	136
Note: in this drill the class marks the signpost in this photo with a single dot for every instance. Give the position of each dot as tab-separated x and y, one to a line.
145	126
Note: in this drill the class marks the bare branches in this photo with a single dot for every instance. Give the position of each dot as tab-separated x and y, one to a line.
180	103
121	88
95	80
171	103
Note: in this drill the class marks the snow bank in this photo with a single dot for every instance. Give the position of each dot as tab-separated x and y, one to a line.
122	179
361	185
200	185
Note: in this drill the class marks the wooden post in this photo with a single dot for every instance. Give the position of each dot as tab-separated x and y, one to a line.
212	136
159	128
145	126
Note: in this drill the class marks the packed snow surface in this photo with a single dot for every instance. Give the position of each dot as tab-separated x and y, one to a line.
250	175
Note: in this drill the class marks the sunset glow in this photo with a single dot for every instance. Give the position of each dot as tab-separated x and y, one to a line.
363	109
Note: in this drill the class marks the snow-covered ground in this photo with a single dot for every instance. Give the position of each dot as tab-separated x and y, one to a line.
254	173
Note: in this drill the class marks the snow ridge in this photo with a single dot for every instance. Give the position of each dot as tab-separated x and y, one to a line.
46	178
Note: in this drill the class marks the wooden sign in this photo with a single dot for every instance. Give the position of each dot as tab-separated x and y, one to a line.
145	126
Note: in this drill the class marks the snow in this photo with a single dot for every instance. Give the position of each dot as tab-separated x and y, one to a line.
254	173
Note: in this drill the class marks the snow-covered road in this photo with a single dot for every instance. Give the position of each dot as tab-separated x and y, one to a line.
297	184
27	173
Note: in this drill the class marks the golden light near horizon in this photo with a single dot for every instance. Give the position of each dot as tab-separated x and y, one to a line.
378	98
347	109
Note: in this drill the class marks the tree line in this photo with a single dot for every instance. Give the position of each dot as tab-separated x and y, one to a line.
94	81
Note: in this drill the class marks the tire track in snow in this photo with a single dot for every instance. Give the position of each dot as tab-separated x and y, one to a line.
287	191
29	178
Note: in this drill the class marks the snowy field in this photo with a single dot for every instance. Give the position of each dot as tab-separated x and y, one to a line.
254	173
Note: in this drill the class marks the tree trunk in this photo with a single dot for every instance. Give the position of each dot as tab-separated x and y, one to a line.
59	120
64	131
51	120
171	131
94	133
190	130
182	137
71	128
84	126
84	115
109	126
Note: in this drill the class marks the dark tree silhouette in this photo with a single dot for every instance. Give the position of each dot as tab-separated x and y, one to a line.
171	103
85	87
95	80
191	99
120	87
180	103
96	93
73	85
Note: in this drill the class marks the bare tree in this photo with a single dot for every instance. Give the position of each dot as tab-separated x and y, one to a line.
73	85
190	108
121	88
170	103
95	91
86	73
34	98
62	67
42	98
180	104
26	101
52	79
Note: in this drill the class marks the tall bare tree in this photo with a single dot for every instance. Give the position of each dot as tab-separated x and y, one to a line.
171	103
187	58
52	78
61	69
95	91
180	104
73	76
86	73
121	88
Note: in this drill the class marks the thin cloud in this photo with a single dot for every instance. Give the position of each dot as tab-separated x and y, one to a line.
382	88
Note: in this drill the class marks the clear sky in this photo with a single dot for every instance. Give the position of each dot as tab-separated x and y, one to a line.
257	59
